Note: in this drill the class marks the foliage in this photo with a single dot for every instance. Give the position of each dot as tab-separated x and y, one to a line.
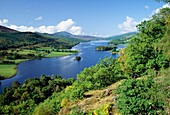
105	48
104	110
78	58
167	1
20	39
51	104
19	99
99	76
139	96
145	52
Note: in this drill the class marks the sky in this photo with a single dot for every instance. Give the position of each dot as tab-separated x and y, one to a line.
100	18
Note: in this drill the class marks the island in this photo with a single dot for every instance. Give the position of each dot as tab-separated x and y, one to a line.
105	48
78	58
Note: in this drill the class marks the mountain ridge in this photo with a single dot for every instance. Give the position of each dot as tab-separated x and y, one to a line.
116	37
83	37
10	38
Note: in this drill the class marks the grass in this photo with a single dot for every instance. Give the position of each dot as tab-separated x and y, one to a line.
7	71
25	52
44	48
58	54
17	61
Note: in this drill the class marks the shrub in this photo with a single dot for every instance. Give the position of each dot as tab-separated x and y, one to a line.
139	96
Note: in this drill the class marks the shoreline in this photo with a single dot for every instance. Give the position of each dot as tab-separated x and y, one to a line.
15	69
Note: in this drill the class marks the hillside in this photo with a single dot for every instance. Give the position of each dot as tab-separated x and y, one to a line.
69	38
13	39
100	101
6	30
122	36
94	100
121	39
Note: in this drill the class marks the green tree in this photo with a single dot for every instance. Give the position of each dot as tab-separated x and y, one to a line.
139	96
145	52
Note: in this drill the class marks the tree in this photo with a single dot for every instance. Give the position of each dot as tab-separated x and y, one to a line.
78	58
145	52
15	84
139	96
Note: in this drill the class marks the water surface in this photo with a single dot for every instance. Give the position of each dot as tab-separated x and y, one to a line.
64	66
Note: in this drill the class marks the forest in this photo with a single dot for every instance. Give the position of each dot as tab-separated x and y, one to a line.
21	39
141	73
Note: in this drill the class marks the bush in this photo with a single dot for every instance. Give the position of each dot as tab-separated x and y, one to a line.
139	96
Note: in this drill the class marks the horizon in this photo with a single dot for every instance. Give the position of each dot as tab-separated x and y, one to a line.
74	17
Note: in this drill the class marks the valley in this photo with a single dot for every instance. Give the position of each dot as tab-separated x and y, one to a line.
53	63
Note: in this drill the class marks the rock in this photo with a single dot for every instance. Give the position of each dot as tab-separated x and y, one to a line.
113	99
106	92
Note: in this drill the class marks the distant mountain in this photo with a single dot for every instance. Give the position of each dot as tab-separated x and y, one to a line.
6	30
121	39
64	33
82	37
122	36
64	37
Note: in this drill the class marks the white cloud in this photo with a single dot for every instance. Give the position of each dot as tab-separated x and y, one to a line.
68	25
76	30
166	5
39	18
146	6
103	36
65	25
128	26
158	9
96	34
3	22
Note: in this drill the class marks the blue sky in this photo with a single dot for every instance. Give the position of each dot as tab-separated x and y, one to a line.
89	17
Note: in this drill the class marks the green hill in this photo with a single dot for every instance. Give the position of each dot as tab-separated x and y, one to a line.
122	36
121	39
6	30
13	39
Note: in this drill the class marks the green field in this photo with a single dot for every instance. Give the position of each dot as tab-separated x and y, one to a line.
17	61
7	71
57	54
25	52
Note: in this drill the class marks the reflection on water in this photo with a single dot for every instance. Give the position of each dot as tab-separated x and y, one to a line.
64	66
